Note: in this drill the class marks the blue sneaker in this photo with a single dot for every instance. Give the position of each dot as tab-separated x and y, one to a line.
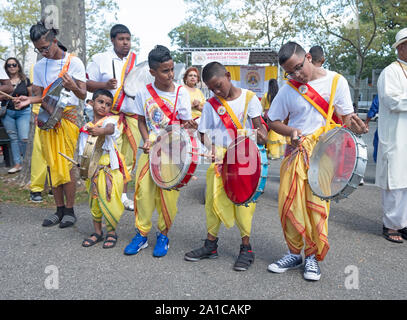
137	243
161	247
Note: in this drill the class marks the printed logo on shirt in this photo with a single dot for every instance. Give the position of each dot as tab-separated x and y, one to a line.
155	117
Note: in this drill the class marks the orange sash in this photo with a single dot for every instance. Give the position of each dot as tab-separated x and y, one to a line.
170	115
64	70
120	94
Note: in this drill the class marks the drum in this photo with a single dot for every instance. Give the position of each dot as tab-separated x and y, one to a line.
173	158
91	155
337	164
137	78
53	105
244	171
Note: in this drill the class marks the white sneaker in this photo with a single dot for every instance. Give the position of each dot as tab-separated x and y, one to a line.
289	261
128	204
311	269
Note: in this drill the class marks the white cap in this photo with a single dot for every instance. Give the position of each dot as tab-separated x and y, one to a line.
401	36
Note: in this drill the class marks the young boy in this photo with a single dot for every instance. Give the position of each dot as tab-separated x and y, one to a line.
106	185
108	70
157	105
304	216
232	102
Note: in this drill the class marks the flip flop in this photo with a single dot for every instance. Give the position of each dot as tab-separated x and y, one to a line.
110	241
91	242
403	233
387	235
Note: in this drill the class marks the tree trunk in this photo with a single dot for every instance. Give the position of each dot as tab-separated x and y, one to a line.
68	16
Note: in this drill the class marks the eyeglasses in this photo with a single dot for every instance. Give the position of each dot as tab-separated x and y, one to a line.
297	69
11	65
41	50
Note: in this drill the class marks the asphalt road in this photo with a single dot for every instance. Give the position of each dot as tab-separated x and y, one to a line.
49	263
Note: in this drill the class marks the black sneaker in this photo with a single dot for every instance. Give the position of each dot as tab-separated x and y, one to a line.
245	258
35	197
208	251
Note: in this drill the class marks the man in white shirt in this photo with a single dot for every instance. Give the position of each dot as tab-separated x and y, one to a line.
391	175
303	215
108	70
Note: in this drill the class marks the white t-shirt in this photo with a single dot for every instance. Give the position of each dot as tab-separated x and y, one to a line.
3	74
146	106
211	124
46	71
100	69
108	146
302	115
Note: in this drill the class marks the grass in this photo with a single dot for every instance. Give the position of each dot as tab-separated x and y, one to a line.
11	192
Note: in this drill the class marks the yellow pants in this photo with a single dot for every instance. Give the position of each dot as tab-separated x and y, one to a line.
63	139
275	145
303	215
100	206
148	197
219	208
38	165
125	146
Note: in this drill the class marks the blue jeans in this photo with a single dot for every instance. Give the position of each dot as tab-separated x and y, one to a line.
17	125
375	145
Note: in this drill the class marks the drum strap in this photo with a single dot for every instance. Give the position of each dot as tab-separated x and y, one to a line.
119	95
170	115
227	115
315	99
64	70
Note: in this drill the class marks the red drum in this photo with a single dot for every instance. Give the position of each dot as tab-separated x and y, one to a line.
244	171
173	158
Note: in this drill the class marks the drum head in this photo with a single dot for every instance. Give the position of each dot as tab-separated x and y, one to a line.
241	170
91	155
332	163
137	78
170	157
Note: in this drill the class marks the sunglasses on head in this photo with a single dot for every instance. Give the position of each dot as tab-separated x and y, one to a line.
12	65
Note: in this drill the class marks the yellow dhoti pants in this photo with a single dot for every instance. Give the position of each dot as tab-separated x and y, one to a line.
275	145
148	197
63	139
219	208
129	141
99	204
303	215
38	165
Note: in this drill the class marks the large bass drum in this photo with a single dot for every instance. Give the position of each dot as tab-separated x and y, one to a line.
244	171
337	164
137	78
173	158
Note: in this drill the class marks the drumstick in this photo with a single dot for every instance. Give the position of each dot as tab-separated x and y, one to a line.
69	159
7	95
114	71
201	154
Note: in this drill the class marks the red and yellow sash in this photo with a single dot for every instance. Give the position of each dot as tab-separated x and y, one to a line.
227	115
314	98
119	95
169	114
122	166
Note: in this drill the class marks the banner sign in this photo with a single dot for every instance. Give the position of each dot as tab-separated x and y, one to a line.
253	78
227	58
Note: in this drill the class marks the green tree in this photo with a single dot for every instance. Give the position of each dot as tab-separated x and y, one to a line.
197	36
16	17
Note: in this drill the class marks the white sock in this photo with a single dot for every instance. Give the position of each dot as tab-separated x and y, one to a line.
124	197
